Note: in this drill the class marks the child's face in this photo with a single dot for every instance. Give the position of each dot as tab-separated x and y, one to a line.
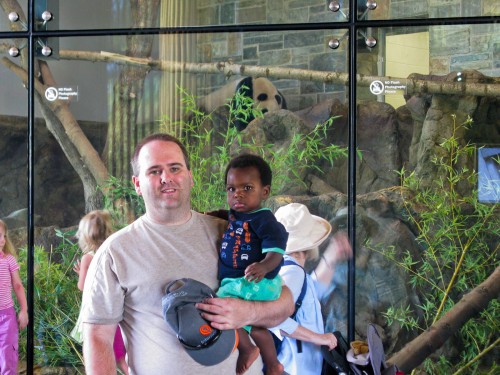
244	188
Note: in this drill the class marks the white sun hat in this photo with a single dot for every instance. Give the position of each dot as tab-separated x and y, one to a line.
305	231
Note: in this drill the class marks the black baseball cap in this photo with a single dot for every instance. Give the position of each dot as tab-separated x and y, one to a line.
205	344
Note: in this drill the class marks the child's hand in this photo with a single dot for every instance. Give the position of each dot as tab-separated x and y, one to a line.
327	339
255	272
338	250
76	267
22	319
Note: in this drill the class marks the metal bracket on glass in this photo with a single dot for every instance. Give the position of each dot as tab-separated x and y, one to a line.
370	5
46	15
14	51
370	41
334	6
334	43
14	17
44	49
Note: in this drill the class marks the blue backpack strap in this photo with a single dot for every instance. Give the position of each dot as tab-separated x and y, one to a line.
302	291
300	299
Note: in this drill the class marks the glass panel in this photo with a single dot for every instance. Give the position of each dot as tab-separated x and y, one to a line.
407	9
95	14
13	16
13	174
426	112
97	102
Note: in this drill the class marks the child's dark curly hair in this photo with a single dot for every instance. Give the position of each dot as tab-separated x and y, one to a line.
249	160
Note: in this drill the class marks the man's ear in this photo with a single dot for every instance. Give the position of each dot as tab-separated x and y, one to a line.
191	177
137	185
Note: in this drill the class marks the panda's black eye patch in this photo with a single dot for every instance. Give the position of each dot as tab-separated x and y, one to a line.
262	97
278	99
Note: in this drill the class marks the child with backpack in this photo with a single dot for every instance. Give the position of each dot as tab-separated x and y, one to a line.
303	334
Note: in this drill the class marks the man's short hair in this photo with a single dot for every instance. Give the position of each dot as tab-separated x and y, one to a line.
156	137
249	160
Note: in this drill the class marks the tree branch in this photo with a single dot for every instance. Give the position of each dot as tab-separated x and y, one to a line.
417	350
87	154
229	69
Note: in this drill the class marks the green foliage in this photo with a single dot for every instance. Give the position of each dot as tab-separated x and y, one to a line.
459	240
209	154
119	192
208	163
56	304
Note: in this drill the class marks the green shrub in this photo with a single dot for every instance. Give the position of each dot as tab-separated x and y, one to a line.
460	241
209	154
56	304
209	151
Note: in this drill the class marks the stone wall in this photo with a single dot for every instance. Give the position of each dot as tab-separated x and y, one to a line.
297	49
452	48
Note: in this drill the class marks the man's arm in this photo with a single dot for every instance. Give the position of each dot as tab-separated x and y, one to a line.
98	352
233	313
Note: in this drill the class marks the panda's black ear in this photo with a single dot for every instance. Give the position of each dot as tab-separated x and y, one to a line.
283	101
245	87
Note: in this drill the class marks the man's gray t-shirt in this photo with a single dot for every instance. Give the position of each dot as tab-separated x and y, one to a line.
126	281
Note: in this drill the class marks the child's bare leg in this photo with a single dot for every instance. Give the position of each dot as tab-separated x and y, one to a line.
248	352
265	342
122	365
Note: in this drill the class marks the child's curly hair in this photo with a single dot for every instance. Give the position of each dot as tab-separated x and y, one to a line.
93	229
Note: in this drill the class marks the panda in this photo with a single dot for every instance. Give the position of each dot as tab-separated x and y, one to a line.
265	95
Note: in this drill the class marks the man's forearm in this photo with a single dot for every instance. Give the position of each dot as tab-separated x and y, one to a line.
271	313
98	349
231	313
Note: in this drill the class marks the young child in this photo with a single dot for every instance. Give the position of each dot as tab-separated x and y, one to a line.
251	253
9	326
93	229
303	335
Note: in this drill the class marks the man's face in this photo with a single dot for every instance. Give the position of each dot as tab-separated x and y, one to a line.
164	180
245	191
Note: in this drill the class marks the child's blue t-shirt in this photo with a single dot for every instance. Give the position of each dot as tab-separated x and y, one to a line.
248	237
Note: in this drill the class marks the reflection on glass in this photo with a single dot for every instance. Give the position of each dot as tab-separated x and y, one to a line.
13	200
488	167
421	228
97	102
262	92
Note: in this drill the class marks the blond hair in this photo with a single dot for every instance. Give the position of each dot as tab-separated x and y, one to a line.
93	229
8	247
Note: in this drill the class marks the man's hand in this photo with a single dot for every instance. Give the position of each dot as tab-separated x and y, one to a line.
232	313
227	313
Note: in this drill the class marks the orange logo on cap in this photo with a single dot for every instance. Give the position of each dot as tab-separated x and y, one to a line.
205	330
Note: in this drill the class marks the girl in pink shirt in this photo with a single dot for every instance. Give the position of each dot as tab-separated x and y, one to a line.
9	324
93	229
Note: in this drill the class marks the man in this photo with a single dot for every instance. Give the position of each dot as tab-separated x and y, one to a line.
128	275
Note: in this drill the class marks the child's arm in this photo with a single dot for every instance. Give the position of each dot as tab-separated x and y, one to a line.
304	334
339	249
258	270
17	285
84	267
